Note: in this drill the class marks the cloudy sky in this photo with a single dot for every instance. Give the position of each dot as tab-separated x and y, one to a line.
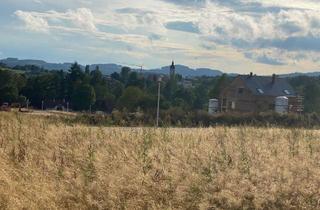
263	36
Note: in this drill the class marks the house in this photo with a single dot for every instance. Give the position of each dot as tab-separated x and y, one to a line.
252	93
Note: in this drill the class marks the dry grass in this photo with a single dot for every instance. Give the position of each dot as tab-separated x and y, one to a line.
57	166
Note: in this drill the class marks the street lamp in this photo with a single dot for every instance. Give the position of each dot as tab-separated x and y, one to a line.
158	105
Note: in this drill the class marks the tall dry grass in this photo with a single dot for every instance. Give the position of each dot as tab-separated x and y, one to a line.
46	164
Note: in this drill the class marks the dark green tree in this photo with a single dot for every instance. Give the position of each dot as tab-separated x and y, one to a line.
115	87
183	98
87	70
11	84
83	97
96	77
219	85
131	98
124	75
41	88
74	78
9	94
115	76
312	97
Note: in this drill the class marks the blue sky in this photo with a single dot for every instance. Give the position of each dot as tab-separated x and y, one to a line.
265	37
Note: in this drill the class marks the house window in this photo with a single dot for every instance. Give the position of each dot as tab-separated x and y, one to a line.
260	91
240	90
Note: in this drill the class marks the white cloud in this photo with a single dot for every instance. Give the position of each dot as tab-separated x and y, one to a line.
269	57
37	1
274	56
226	27
83	18
33	23
83	21
142	25
295	4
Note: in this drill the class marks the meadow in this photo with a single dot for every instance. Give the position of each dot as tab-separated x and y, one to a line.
46	163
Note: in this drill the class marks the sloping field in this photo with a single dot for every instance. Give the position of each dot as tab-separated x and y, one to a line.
46	164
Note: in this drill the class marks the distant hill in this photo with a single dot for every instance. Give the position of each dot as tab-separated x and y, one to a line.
12	62
105	68
185	71
108	69
296	74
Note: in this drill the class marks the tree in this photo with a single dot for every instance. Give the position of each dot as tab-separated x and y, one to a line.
134	80
312	97
201	96
75	72
148	102
96	77
105	102
10	85
170	88
124	75
115	87
83	97
22	100
75	77
215	91
183	98
61	84
131	98
115	76
9	94
104	99
87	70
42	87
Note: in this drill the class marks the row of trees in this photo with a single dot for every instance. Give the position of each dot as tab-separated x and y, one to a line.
86	89
127	91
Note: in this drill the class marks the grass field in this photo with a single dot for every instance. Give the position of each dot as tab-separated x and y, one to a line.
47	164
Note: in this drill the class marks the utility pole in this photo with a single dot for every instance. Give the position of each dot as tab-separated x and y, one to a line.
158	105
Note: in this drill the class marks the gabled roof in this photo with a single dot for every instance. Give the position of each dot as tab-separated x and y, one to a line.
263	85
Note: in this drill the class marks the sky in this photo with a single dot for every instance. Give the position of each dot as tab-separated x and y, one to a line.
260	36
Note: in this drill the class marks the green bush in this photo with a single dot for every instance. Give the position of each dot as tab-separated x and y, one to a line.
176	117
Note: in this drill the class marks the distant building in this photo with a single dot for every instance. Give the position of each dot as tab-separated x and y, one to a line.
251	93
186	83
172	70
